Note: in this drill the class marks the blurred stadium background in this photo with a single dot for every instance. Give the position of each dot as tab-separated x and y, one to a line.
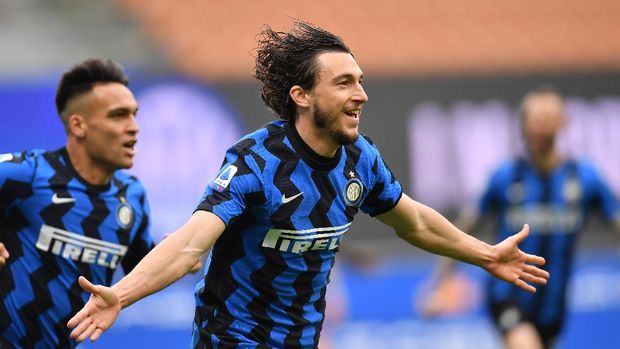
444	79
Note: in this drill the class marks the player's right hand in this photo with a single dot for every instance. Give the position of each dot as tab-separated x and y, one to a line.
97	315
4	254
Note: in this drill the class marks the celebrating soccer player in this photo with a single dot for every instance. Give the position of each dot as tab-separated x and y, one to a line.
281	205
71	211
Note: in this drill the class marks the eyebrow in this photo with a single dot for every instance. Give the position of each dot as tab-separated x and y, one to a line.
123	109
347	76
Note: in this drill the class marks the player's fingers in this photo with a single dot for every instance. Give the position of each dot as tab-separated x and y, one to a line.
534	259
4	253
522	284
533	279
87	333
78	318
96	334
536	271
196	267
86	285
80	328
520	236
2	261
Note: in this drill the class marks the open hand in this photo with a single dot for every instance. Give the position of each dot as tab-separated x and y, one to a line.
97	315
515	266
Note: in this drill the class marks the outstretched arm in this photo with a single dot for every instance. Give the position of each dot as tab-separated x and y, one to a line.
424	227
172	258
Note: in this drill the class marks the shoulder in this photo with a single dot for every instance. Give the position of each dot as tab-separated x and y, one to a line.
124	179
255	148
257	140
365	146
23	163
585	168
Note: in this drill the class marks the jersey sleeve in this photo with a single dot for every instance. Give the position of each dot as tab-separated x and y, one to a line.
226	195
386	191
142	243
17	171
601	193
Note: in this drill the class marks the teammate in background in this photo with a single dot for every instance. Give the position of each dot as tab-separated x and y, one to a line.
70	211
554	195
285	196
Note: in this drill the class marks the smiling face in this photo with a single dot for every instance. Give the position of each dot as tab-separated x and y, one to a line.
337	99
109	128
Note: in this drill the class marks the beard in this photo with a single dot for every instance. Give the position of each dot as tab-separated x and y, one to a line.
327	122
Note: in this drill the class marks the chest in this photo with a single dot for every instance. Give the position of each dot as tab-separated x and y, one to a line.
74	223
309	210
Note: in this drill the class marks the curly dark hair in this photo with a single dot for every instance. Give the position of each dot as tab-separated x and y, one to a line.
284	60
83	76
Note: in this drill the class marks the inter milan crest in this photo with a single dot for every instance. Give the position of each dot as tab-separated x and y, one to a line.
222	181
124	214
353	191
572	191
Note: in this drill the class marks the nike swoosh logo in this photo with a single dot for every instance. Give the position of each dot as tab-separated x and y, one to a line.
57	200
285	199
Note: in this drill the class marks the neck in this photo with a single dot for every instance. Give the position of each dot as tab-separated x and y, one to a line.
91	171
546	163
318	140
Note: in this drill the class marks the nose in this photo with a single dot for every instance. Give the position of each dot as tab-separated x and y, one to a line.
133	127
360	95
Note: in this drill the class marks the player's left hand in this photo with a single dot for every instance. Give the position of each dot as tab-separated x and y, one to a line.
4	255
515	266
97	315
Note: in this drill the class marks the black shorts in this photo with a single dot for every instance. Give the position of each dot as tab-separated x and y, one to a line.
507	315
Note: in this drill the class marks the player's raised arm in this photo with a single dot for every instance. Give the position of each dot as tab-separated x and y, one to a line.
424	227
167	262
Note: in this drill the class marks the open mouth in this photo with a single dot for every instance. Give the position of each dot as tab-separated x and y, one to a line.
130	145
354	113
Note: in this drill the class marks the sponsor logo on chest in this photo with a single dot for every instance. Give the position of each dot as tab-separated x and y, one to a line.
80	248
299	241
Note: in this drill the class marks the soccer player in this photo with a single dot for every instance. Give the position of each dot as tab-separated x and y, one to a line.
71	211
280	206
553	194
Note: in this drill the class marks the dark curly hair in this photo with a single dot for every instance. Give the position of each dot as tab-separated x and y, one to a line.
284	60
83	76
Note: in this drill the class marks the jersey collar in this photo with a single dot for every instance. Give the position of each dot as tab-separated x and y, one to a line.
309	156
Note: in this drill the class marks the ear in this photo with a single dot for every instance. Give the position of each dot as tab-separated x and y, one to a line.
76	125
300	96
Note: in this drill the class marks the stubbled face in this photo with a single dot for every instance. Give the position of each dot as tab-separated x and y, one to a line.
110	132
543	118
338	97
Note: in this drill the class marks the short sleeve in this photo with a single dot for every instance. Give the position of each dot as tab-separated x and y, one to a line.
226	195
601	193
386	191
16	174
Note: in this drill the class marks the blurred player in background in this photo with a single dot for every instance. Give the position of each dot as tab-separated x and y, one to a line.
554	195
70	211
283	200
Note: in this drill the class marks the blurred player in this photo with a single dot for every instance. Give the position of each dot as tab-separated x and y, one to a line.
554	195
278	210
70	211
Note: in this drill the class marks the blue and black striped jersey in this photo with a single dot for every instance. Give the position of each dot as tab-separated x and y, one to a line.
286	210
555	207
56	227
